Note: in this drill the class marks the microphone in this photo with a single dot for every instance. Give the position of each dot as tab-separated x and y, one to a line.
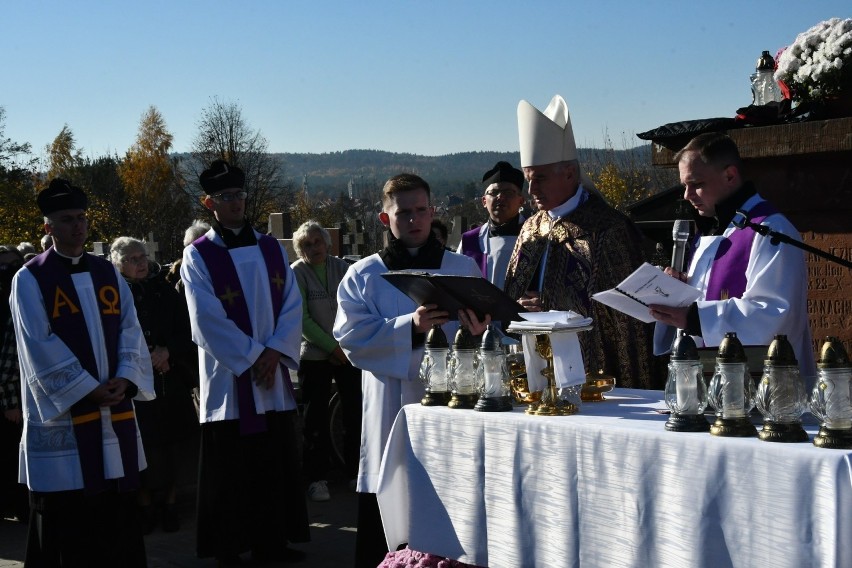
680	236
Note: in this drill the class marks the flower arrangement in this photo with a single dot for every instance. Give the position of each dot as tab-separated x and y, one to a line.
407	558
818	65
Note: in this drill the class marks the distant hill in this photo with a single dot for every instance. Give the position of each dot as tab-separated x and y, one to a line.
331	172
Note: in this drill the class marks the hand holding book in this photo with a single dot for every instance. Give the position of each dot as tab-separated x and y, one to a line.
646	286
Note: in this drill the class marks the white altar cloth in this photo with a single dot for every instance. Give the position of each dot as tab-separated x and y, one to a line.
610	487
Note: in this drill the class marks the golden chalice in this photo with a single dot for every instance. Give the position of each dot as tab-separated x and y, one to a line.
550	404
518	378
596	385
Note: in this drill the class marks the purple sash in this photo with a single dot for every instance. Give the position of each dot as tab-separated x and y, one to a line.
227	287
728	273
68	322
471	248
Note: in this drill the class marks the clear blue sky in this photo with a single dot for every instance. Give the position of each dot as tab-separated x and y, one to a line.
430	78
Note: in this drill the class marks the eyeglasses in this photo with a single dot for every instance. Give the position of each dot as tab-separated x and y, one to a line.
501	193
226	197
138	259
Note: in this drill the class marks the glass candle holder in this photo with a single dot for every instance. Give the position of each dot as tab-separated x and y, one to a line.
686	392
731	392
433	369
492	375
781	396
831	399
462	370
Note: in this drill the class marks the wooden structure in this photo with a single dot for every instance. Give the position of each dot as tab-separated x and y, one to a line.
805	169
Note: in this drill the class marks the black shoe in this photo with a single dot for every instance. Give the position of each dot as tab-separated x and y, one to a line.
286	555
170	520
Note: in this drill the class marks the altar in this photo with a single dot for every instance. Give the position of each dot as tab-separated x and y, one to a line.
610	487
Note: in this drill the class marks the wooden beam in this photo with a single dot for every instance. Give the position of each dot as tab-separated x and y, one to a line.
779	140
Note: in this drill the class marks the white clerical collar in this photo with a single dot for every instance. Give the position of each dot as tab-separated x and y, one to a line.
74	259
570	205
236	231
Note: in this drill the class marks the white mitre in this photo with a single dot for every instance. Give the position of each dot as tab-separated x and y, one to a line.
545	137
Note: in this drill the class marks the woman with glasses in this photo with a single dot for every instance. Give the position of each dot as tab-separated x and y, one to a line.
167	420
318	274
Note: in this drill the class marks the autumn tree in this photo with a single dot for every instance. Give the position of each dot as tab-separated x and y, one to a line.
107	213
154	198
625	176
21	218
64	158
224	134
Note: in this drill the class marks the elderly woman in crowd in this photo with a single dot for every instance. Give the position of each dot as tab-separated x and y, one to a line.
167	420
318	275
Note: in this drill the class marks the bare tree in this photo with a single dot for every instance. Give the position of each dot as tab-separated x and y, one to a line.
224	134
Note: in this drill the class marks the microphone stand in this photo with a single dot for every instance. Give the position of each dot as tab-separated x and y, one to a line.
741	221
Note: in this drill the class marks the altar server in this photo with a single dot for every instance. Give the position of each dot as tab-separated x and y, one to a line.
246	316
574	246
491	244
82	359
382	331
749	285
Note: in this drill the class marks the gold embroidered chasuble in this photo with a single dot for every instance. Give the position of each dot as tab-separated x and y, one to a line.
593	248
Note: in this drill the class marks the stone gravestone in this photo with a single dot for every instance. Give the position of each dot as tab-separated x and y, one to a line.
459	226
354	243
152	249
280	227
100	249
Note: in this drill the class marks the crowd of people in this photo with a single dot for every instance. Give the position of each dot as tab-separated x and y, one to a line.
108	365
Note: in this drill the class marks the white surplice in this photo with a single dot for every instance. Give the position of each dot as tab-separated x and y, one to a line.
774	301
497	251
374	329
224	350
54	381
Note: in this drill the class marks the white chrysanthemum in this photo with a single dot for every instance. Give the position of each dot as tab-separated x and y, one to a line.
813	64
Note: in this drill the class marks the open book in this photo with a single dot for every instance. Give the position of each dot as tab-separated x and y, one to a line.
452	293
647	285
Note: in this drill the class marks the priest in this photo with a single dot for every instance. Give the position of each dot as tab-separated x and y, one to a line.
749	285
246	316
574	246
83	358
491	244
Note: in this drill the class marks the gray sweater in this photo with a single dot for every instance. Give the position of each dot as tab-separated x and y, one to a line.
320	306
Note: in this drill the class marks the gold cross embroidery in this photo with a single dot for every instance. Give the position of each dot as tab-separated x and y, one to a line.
229	296
278	281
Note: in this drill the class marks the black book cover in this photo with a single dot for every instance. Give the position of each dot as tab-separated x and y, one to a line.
452	293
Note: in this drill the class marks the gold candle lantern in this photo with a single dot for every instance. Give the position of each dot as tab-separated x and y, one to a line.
831	400
731	392
781	396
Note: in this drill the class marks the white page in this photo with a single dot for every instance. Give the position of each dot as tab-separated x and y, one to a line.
647	285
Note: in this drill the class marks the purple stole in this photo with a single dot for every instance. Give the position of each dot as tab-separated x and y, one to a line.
731	260
69	324
227	287
471	248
